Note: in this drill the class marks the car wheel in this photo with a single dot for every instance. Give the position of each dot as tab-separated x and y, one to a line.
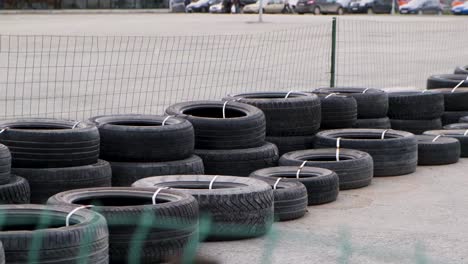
317	11
439	13
370	11
420	12
340	11
204	10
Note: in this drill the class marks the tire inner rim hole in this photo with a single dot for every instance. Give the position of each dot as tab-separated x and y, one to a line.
268	96
137	123
326	158
369	137
201	185
118	201
214	112
22	222
39	127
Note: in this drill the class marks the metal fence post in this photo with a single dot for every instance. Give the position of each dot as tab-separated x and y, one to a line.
333	54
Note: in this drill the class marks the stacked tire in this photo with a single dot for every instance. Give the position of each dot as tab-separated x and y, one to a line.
454	104
338	110
292	118
139	146
55	155
229	136
416	111
447	80
13	189
372	105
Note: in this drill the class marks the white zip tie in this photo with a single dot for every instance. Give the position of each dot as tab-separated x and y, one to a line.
74	126
466	133
383	134
156	194
224	109
365	90
165	119
423	91
338	149
212	181
458	85
67	219
300	168
330	95
287	95
276	183
437	137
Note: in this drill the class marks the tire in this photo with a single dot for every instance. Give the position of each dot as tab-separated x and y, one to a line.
446	81
49	181
461	70
457	134
456	100
85	240
288	144
456	126
50	143
5	164
322	185
370	11
453	117
125	208
415	105
378	123
2	254
126	173
297	115
241	208
355	169
371	103
420	12
338	111
244	126
464	119
143	138
396	155
340	11
416	126
16	191
290	199
444	150
238	162
317	11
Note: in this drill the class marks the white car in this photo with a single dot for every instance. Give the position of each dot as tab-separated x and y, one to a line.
253	8
216	8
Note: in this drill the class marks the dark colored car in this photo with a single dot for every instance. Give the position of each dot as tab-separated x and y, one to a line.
371	6
422	7
319	7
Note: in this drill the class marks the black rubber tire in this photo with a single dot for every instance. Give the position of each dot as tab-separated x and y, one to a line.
456	100
461	70
49	181
173	221
85	240
322	184
241	208
453	117
143	138
338	111
371	103
377	123
288	144
463	119
297	115
2	254
444	150
415	105
126	173
456	126
355	169
243	127
16	191
457	134
50	143
396	155
446	81
416	126
238	162
5	164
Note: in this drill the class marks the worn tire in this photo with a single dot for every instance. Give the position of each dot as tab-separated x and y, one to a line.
416	126
355	169
143	138
463	119
297	115
85	240
446	81
371	103
338	111
322	184
2	254
16	191
50	143
377	123
461	70
396	155
456	100
238	162
126	208
288	144
49	181
5	164
415	105
456	126
457	134
239	207
126	173
243	127
445	150
453	117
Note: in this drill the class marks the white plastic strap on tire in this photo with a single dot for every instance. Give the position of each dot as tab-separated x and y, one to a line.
276	183
365	90
423	91
74	126
330	95
156	194
338	149
436	138
67	219
212	181
165	120
300	168
224	109
459	84
287	95
383	134
3	130
466	133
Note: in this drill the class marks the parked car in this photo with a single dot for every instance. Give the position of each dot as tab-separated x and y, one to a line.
254	8
217	7
422	7
460	9
199	6
371	6
274	6
319	7
177	6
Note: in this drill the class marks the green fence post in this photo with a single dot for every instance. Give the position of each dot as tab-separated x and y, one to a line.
333	54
